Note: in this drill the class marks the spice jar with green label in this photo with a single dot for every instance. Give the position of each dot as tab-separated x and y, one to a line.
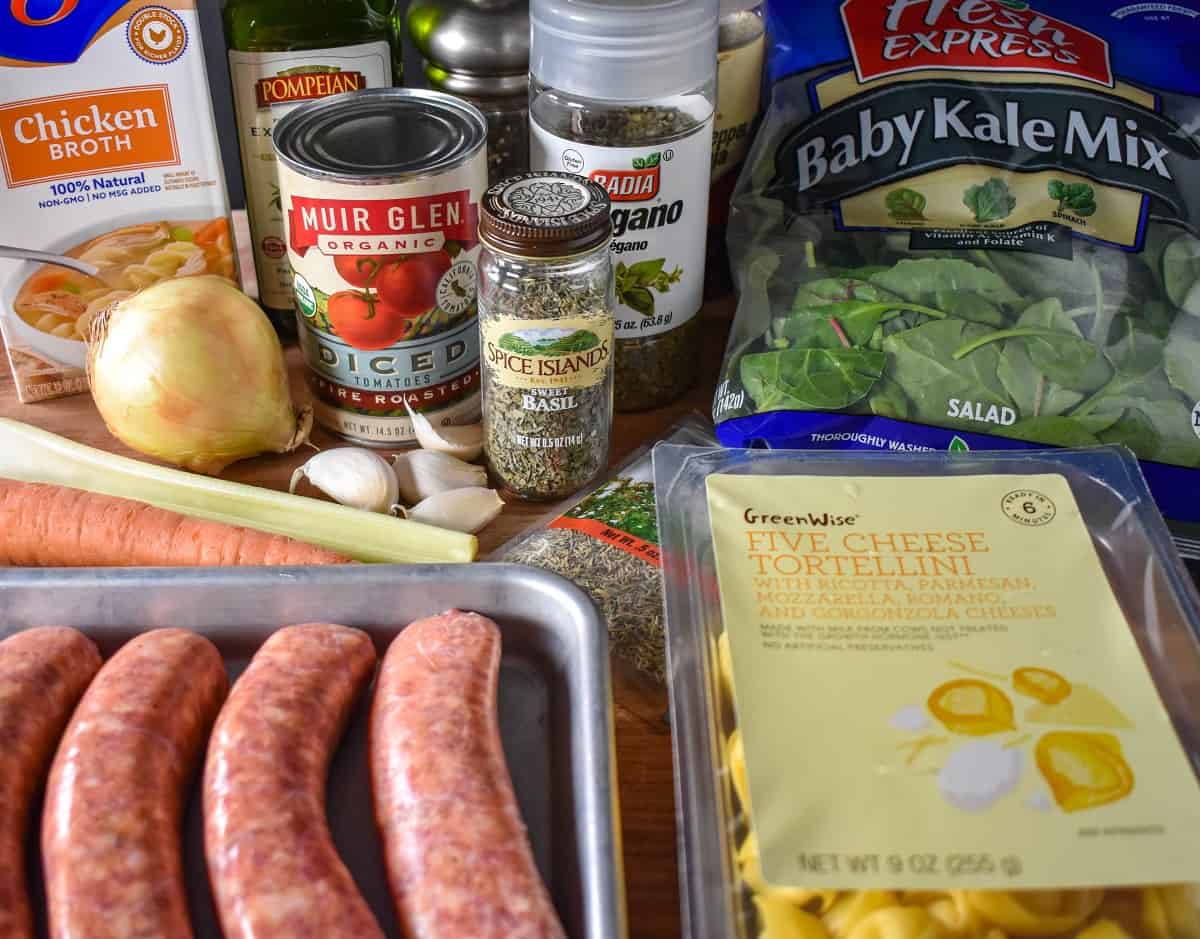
623	92
546	301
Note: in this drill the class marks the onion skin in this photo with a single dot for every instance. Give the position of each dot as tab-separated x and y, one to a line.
190	371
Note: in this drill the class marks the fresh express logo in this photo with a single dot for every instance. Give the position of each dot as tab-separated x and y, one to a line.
638	184
306	84
1001	35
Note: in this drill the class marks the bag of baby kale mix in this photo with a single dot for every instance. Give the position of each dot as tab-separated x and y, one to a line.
973	224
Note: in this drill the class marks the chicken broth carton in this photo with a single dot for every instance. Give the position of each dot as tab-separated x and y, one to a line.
110	161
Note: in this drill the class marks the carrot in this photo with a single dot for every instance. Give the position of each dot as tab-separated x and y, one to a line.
212	232
43	525
48	280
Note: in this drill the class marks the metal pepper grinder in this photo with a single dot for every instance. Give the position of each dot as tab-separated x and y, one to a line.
478	50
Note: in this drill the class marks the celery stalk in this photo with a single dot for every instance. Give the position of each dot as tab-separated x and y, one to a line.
31	454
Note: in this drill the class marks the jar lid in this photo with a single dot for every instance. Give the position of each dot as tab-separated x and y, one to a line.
545	215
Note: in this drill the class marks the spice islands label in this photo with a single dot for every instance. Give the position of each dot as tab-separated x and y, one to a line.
551	360
926	703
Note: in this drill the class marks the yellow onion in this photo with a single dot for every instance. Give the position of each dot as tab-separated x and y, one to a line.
190	371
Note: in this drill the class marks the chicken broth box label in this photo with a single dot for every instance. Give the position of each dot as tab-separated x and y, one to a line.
936	688
109	155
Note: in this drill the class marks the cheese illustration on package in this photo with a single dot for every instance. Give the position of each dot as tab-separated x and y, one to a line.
1081	769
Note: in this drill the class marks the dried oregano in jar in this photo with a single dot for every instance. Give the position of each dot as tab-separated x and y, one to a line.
624	95
546	329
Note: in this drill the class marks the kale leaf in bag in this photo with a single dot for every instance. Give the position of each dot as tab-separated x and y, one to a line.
973	225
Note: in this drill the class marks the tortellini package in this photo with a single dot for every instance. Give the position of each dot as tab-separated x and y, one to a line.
930	696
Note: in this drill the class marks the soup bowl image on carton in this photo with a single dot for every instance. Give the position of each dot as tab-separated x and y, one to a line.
109	156
49	309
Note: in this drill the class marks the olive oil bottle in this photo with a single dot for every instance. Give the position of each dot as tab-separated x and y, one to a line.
281	54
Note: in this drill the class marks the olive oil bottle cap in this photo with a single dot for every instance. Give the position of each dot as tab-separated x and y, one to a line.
545	215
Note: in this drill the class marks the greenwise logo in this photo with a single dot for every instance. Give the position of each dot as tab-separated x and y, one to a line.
548	342
958	445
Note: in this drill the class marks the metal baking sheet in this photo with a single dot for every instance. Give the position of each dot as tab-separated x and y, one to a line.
554	698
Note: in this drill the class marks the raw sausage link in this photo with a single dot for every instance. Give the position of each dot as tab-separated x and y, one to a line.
274	868
111	830
43	672
458	857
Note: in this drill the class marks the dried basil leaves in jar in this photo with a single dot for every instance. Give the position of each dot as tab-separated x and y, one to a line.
546	303
624	94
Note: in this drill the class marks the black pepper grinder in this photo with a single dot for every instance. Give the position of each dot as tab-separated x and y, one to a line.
479	50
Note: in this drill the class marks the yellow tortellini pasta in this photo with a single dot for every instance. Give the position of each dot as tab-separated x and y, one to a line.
1142	913
1035	912
898	922
788	912
1104	929
783	920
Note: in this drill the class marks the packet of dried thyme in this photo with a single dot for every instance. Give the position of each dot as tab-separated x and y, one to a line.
606	542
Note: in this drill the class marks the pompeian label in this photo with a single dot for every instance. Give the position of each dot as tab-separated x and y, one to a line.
571	353
938	123
306	86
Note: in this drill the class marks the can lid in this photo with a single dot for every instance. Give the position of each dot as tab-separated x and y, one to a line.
545	215
379	133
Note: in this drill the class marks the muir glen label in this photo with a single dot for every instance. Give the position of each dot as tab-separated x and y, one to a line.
266	85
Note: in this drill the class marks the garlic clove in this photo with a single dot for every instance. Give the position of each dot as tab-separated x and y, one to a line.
463	441
465	510
425	473
351	476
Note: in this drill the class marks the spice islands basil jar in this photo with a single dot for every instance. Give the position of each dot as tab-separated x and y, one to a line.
546	302
381	190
